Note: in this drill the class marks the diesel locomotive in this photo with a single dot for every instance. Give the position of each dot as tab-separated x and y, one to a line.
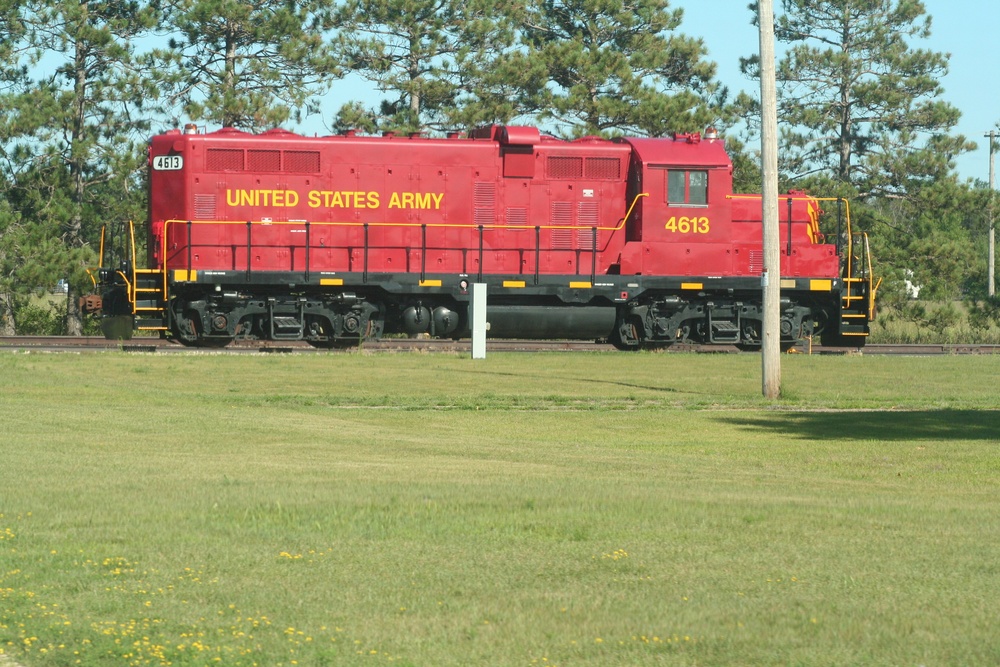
337	239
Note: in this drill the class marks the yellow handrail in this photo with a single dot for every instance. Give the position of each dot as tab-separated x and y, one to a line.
414	225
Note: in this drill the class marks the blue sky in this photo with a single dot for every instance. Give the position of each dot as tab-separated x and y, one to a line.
964	28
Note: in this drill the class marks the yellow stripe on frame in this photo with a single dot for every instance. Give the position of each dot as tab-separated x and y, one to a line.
820	285
331	281
581	285
692	285
513	283
430	283
788	284
183	275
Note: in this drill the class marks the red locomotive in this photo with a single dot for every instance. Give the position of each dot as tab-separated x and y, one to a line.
336	239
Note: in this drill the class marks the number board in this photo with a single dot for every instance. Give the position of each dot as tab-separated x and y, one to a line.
168	162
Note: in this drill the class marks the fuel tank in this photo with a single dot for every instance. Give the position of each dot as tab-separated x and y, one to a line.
542	322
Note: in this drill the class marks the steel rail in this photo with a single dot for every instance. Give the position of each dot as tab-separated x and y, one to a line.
150	344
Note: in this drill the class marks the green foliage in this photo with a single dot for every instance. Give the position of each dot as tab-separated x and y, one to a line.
857	100
614	67
34	319
246	65
73	131
427	55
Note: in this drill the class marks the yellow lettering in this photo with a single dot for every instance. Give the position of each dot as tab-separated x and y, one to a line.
421	200
232	199
373	200
313	199
291	198
686	225
247	198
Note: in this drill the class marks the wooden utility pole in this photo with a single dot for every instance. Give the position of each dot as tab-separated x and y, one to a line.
991	254
771	277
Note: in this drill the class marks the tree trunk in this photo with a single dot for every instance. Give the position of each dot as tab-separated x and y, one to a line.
6	317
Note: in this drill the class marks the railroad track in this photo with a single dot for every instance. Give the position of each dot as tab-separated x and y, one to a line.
94	343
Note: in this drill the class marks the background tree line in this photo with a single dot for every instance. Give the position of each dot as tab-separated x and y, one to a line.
83	85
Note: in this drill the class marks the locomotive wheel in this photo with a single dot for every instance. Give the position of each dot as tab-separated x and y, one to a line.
633	344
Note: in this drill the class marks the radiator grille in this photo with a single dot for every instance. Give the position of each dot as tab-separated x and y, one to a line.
264	160
603	168
302	162
224	159
565	167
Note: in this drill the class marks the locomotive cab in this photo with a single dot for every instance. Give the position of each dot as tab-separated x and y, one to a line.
683	221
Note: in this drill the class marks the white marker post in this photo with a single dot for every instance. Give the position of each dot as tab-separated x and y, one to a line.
477	314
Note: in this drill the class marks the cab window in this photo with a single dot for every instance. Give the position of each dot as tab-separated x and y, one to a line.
687	187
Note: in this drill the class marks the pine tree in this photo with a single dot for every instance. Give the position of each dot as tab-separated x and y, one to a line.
614	67
69	126
858	102
428	56
12	76
252	66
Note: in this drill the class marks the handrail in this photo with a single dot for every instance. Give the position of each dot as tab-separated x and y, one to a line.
128	289
366	225
849	236
413	225
132	292
100	263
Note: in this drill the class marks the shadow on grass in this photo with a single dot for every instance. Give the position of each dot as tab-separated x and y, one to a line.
882	426
549	377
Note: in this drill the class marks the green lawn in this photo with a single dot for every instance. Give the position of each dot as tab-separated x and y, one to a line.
548	509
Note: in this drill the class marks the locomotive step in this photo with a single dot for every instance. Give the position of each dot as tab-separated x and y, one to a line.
286	328
724	331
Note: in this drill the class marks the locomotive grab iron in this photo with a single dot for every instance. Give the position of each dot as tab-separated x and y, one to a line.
334	240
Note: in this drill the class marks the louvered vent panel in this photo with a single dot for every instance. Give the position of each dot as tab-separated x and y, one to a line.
562	216
484	201
224	159
264	160
586	213
517	217
302	162
565	167
204	207
603	168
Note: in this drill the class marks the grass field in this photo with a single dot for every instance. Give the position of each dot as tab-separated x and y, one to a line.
549	509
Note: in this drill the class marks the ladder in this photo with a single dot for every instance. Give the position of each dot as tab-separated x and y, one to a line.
857	308
148	300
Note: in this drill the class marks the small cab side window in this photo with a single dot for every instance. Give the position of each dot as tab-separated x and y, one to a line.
687	187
